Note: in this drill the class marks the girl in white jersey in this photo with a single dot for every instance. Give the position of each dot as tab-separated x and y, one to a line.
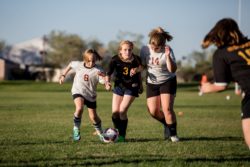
87	76
159	60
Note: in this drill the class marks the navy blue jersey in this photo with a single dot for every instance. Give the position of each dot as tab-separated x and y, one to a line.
121	71
233	64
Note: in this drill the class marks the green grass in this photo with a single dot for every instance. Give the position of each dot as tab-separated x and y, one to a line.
36	126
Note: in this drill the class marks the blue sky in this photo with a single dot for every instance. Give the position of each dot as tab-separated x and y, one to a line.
187	20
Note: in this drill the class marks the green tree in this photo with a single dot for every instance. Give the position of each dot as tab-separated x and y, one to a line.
64	48
95	44
196	64
122	35
2	45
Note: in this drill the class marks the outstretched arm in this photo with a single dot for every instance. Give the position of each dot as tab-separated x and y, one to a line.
108	85
105	80
65	72
211	87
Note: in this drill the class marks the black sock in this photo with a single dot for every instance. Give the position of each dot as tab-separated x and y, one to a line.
172	129
116	122
123	129
163	121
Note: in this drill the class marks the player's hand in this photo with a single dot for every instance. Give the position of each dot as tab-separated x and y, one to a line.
101	73
61	79
108	86
167	51
133	71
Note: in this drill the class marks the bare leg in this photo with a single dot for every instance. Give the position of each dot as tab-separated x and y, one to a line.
246	130
154	108
95	119
167	102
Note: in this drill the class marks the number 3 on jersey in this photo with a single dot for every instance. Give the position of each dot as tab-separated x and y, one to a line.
125	71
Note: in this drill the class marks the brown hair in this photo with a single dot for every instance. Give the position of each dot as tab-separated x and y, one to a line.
225	33
91	52
159	36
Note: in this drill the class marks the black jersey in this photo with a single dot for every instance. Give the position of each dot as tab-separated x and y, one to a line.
121	72
233	64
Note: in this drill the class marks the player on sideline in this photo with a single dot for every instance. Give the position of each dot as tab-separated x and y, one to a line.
158	58
231	62
126	67
87	76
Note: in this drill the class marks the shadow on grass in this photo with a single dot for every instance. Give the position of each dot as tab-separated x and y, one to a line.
207	106
224	138
26	143
183	139
120	160
142	139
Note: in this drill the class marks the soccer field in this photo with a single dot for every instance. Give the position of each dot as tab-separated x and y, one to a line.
36	128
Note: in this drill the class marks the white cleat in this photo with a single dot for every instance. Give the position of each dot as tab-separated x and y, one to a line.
174	139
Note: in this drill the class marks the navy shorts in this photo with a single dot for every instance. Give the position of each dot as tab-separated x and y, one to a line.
121	91
245	107
89	104
168	87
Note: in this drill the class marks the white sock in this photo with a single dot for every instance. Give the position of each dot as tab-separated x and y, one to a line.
75	127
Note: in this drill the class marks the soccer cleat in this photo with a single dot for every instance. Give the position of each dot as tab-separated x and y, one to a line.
121	139
76	134
174	139
101	137
166	132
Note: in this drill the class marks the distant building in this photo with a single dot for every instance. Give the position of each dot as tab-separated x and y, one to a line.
29	52
7	69
26	61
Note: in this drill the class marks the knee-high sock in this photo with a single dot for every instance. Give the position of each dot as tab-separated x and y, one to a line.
116	122
172	129
163	121
123	129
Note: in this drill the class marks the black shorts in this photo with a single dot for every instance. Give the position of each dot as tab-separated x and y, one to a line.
168	87
245	107
121	91
89	104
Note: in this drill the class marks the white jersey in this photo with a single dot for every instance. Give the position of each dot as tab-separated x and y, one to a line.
85	80
157	72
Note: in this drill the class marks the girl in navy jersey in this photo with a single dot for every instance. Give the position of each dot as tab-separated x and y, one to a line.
231	62
87	76
158	58
125	67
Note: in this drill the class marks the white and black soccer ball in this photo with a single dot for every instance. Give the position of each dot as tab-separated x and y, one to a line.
110	135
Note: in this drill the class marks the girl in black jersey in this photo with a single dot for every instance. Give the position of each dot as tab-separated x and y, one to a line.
231	62
125	67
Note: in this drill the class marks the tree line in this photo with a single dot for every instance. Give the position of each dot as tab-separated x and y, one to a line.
65	47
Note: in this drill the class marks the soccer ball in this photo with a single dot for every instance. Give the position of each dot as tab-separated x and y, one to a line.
110	135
